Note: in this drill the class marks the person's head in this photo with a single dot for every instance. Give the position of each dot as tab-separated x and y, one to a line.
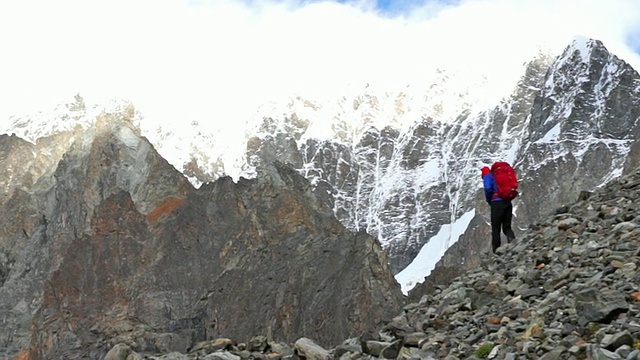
485	170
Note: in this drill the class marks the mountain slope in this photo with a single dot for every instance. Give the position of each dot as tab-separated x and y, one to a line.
568	288
402	164
404	178
581	132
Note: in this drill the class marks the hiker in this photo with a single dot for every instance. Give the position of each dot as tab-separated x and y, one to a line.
501	208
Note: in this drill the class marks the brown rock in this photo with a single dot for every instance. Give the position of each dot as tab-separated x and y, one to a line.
122	248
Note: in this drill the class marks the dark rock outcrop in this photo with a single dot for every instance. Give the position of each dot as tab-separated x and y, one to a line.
116	247
568	288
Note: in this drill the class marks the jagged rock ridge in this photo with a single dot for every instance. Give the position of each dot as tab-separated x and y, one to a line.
568	288
115	245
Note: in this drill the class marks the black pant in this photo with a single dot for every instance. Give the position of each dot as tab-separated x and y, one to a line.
501	213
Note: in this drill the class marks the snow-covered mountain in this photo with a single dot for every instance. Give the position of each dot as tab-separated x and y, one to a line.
411	162
403	164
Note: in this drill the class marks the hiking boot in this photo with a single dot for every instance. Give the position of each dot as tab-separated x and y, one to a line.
511	239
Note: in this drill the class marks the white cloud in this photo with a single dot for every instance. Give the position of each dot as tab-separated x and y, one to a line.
213	60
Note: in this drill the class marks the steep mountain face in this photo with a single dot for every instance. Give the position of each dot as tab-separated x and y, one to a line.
570	124
113	245
582	125
582	131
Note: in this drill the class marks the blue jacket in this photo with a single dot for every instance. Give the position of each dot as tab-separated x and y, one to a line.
490	188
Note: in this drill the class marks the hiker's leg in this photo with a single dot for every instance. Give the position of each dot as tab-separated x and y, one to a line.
506	224
496	221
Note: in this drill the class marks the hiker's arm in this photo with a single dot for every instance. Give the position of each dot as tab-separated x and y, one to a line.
488	188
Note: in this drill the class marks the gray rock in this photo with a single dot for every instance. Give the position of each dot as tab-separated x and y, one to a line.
613	342
118	352
634	355
392	350
221	355
258	343
173	356
310	350
374	348
598	353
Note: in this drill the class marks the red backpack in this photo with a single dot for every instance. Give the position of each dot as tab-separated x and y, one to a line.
506	180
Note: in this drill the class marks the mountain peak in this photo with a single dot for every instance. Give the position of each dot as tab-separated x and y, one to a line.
68	116
583	46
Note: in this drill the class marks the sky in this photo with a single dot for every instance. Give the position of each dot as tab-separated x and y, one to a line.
213	60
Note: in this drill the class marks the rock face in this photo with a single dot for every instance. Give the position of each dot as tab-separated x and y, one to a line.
115	246
581	132
570	124
567	288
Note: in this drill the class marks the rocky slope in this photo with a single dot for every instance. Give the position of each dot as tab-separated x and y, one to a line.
568	288
108	243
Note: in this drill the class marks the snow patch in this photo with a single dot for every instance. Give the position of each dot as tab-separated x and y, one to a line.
428	173
551	136
614	174
583	45
432	252
64	117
